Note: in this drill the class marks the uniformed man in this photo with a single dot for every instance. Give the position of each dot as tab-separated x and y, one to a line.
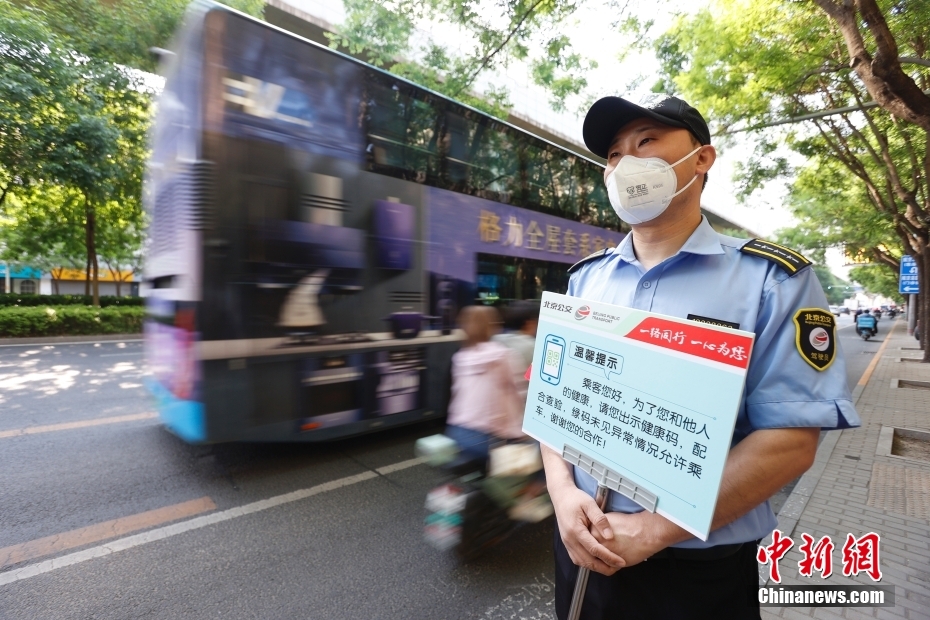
674	263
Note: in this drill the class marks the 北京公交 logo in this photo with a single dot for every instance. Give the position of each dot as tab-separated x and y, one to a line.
819	339
816	336
582	313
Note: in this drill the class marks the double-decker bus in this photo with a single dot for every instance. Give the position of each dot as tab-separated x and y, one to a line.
315	226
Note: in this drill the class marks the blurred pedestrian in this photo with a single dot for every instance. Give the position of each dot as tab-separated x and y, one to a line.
520	321
486	404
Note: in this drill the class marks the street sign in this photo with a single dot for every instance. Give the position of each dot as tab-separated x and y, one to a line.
652	398
908	284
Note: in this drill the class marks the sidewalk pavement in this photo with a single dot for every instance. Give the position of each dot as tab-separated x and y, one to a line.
855	486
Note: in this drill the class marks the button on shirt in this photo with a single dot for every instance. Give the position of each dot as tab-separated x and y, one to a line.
710	277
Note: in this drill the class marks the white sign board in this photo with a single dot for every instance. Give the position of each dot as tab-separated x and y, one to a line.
652	397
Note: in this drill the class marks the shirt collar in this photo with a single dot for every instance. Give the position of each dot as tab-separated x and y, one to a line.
704	240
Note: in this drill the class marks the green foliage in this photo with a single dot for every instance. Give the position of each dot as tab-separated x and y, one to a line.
71	182
561	71
766	164
864	183
36	85
27	322
833	212
10	299
43	226
121	31
877	280
381	34
836	289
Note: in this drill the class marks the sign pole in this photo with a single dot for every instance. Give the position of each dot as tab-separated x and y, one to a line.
607	480
911	314
581	585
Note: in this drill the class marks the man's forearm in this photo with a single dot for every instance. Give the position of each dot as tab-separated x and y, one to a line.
756	469
558	470
759	466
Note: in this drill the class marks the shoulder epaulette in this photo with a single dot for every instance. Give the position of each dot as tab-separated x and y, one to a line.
587	259
786	258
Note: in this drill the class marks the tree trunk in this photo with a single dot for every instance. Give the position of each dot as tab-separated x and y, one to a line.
87	266
923	300
92	250
96	283
90	241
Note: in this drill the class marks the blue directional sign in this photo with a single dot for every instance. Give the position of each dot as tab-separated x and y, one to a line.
908	284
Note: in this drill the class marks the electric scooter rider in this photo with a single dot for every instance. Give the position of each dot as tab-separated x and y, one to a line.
866	325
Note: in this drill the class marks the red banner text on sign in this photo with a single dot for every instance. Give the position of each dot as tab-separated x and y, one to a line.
706	343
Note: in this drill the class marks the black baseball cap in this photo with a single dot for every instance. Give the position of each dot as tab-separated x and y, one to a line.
608	115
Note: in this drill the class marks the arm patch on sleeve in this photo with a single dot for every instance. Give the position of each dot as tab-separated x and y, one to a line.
815	336
786	258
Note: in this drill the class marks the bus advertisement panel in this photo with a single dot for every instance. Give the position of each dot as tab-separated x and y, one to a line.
317	224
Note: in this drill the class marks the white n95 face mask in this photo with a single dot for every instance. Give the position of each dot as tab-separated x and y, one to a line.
640	189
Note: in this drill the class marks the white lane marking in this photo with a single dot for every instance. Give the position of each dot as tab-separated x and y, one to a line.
121	354
196	523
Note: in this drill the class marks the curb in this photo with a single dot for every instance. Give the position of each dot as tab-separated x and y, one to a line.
7	342
794	506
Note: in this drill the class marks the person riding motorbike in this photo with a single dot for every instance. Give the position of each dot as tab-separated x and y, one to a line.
498	471
866	325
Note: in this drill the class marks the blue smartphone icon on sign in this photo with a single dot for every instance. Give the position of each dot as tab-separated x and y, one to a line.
553	353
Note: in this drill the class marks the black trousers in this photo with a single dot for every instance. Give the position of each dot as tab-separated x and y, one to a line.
664	589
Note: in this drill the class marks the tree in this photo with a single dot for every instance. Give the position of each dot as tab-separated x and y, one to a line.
878	280
72	121
42	226
121	239
380	33
36	81
836	289
751	64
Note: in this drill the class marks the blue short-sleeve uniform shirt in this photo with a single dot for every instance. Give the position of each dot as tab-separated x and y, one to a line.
709	277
